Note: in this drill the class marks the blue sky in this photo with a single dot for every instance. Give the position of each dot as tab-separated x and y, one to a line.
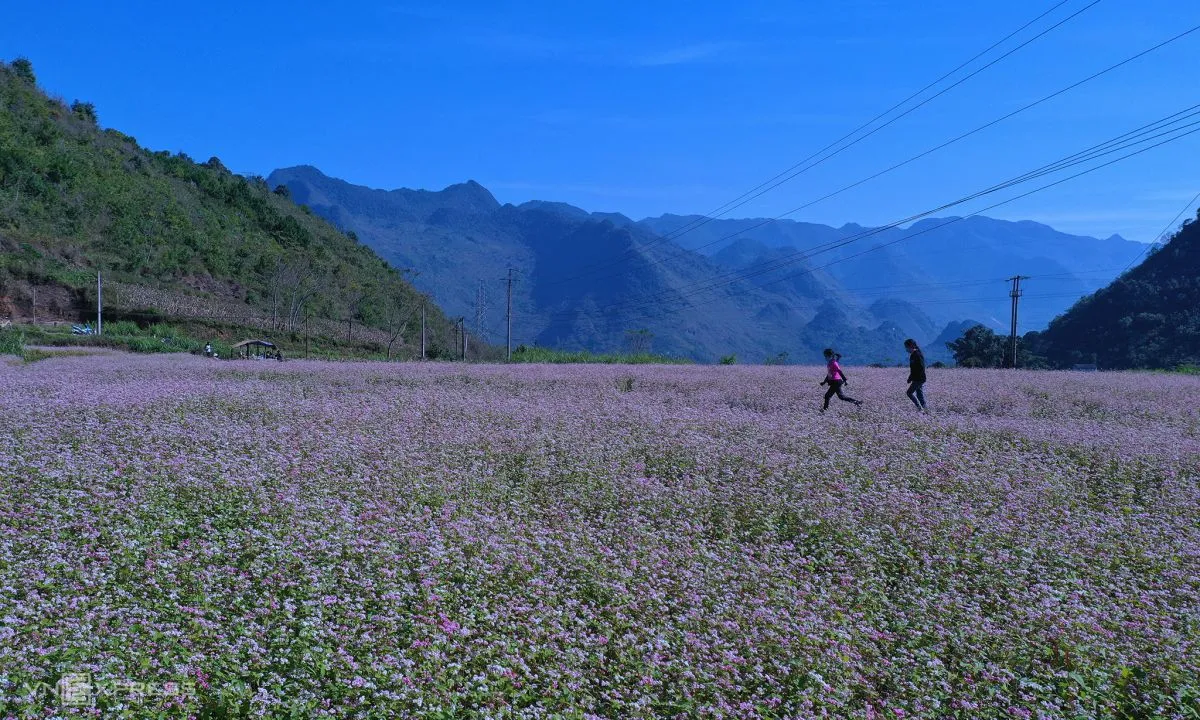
640	108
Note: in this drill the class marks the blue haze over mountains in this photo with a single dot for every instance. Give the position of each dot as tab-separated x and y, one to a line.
584	279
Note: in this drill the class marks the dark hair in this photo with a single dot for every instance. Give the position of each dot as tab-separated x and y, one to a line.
910	343
828	352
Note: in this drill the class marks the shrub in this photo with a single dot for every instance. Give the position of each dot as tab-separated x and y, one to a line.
84	111
121	327
12	342
23	69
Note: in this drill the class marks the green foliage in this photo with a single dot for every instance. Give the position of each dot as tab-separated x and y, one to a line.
74	199
12	342
978	347
779	359
121	327
85	111
1147	318
23	69
523	354
730	359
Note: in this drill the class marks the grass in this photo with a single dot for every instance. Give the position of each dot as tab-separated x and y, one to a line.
545	355
192	336
12	342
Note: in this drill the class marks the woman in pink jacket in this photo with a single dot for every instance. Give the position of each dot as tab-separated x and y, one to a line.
835	378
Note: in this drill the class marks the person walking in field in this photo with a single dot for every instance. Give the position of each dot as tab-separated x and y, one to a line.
916	374
835	378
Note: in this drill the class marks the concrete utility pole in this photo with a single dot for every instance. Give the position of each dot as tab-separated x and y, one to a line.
463	323
1015	294
422	331
508	314
99	304
479	310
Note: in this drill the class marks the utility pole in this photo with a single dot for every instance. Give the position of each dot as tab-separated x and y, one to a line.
422	331
1015	294
479	310
99	304
508	314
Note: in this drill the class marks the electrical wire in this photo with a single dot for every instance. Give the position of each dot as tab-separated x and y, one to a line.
921	155
1122	142
1191	204
659	310
801	167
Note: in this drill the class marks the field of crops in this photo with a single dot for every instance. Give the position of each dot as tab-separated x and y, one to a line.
181	537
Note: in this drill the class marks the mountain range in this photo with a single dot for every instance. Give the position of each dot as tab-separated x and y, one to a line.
709	288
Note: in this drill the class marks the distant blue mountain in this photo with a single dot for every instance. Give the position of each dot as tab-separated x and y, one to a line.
584	280
951	268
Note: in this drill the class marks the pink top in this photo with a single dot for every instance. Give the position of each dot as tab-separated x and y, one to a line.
833	371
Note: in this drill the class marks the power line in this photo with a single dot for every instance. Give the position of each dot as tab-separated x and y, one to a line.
936	148
794	171
991	207
1191	204
986	209
795	174
659	310
888	289
1122	142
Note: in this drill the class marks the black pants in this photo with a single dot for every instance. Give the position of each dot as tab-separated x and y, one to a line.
835	388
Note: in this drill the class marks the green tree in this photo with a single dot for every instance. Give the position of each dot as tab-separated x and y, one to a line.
978	347
23	69
84	111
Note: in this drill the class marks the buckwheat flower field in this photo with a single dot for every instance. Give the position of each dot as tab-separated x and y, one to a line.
213	539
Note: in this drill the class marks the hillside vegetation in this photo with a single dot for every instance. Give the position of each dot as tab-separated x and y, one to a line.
1147	318
173	237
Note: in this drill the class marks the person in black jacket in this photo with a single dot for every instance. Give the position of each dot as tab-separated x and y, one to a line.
916	373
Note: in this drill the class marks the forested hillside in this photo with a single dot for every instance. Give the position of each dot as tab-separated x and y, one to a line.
1147	318
170	235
